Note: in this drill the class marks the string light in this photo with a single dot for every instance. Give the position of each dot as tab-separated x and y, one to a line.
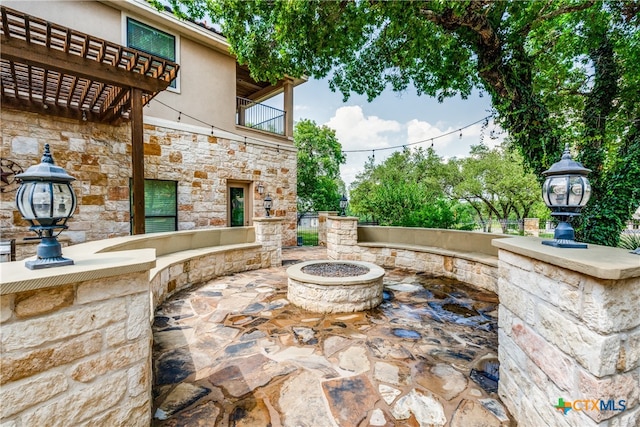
344	152
423	140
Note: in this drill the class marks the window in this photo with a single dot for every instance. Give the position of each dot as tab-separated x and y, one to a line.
151	40
160	205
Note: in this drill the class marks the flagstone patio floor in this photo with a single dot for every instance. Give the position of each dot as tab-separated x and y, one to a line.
235	352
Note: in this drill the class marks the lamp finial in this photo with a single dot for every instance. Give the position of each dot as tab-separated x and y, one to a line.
46	156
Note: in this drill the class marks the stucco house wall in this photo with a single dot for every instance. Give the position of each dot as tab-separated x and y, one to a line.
201	159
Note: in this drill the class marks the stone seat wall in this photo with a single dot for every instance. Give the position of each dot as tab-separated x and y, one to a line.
462	255
76	340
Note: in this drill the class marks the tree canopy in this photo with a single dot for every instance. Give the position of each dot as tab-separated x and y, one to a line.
556	71
407	189
319	159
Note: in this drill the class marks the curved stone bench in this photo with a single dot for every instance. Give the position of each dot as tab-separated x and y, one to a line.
466	256
189	257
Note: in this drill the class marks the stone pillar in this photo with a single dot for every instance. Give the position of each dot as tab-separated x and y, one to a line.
76	342
569	334
269	233
322	226
342	237
531	227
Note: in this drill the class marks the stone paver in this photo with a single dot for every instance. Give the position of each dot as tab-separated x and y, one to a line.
234	352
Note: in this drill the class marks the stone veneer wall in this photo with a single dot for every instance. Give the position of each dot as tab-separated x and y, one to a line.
342	243
99	157
569	324
76	350
566	333
77	354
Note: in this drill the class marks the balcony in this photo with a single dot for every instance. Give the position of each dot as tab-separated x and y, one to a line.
259	116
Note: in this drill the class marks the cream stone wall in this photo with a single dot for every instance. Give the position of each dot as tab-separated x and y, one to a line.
472	266
567	334
99	157
77	354
76	340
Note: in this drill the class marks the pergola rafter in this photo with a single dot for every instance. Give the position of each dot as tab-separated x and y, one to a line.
87	74
51	69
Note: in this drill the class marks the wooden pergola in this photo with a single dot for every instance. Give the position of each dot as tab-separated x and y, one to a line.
51	69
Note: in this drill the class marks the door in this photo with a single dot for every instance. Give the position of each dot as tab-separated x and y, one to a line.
239	204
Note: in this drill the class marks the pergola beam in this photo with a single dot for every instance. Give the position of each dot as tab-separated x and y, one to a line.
16	50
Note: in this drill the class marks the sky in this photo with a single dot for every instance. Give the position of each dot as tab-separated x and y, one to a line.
394	119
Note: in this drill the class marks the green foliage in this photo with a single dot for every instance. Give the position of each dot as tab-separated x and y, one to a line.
630	241
495	184
536	59
406	190
319	158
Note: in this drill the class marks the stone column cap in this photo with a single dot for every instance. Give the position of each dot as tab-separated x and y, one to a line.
344	218
15	277
269	219
603	262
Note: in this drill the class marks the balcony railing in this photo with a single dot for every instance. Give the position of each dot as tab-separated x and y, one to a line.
259	116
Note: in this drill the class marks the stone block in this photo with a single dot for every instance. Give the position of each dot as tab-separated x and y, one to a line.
596	353
43	301
81	404
560	294
110	361
621	386
547	357
24	394
115	334
611	306
105	289
74	321
18	365
138	320
137	413
6	307
515	260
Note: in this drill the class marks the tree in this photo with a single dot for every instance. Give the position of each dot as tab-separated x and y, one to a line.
533	58
406	190
495	184
319	159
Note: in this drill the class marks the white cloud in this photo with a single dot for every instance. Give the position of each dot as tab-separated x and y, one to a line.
356	131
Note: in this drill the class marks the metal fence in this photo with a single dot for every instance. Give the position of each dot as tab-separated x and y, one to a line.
259	116
307	230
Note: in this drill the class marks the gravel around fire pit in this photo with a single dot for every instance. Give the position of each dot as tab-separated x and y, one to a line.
330	269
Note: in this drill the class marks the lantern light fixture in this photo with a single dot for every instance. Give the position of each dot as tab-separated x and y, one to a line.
46	200
566	190
260	188
268	204
343	205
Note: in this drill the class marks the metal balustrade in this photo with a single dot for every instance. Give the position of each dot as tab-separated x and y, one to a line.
259	116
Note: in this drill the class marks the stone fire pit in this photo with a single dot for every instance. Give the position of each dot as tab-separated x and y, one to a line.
335	286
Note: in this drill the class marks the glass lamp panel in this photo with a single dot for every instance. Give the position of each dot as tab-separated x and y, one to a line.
42	200
63	200
587	191
558	190
23	200
576	191
545	192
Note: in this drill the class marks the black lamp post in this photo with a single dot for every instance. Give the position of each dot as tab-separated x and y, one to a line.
268	204
46	199
566	190
343	205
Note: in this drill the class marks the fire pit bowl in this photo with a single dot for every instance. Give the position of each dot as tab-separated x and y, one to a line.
335	286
